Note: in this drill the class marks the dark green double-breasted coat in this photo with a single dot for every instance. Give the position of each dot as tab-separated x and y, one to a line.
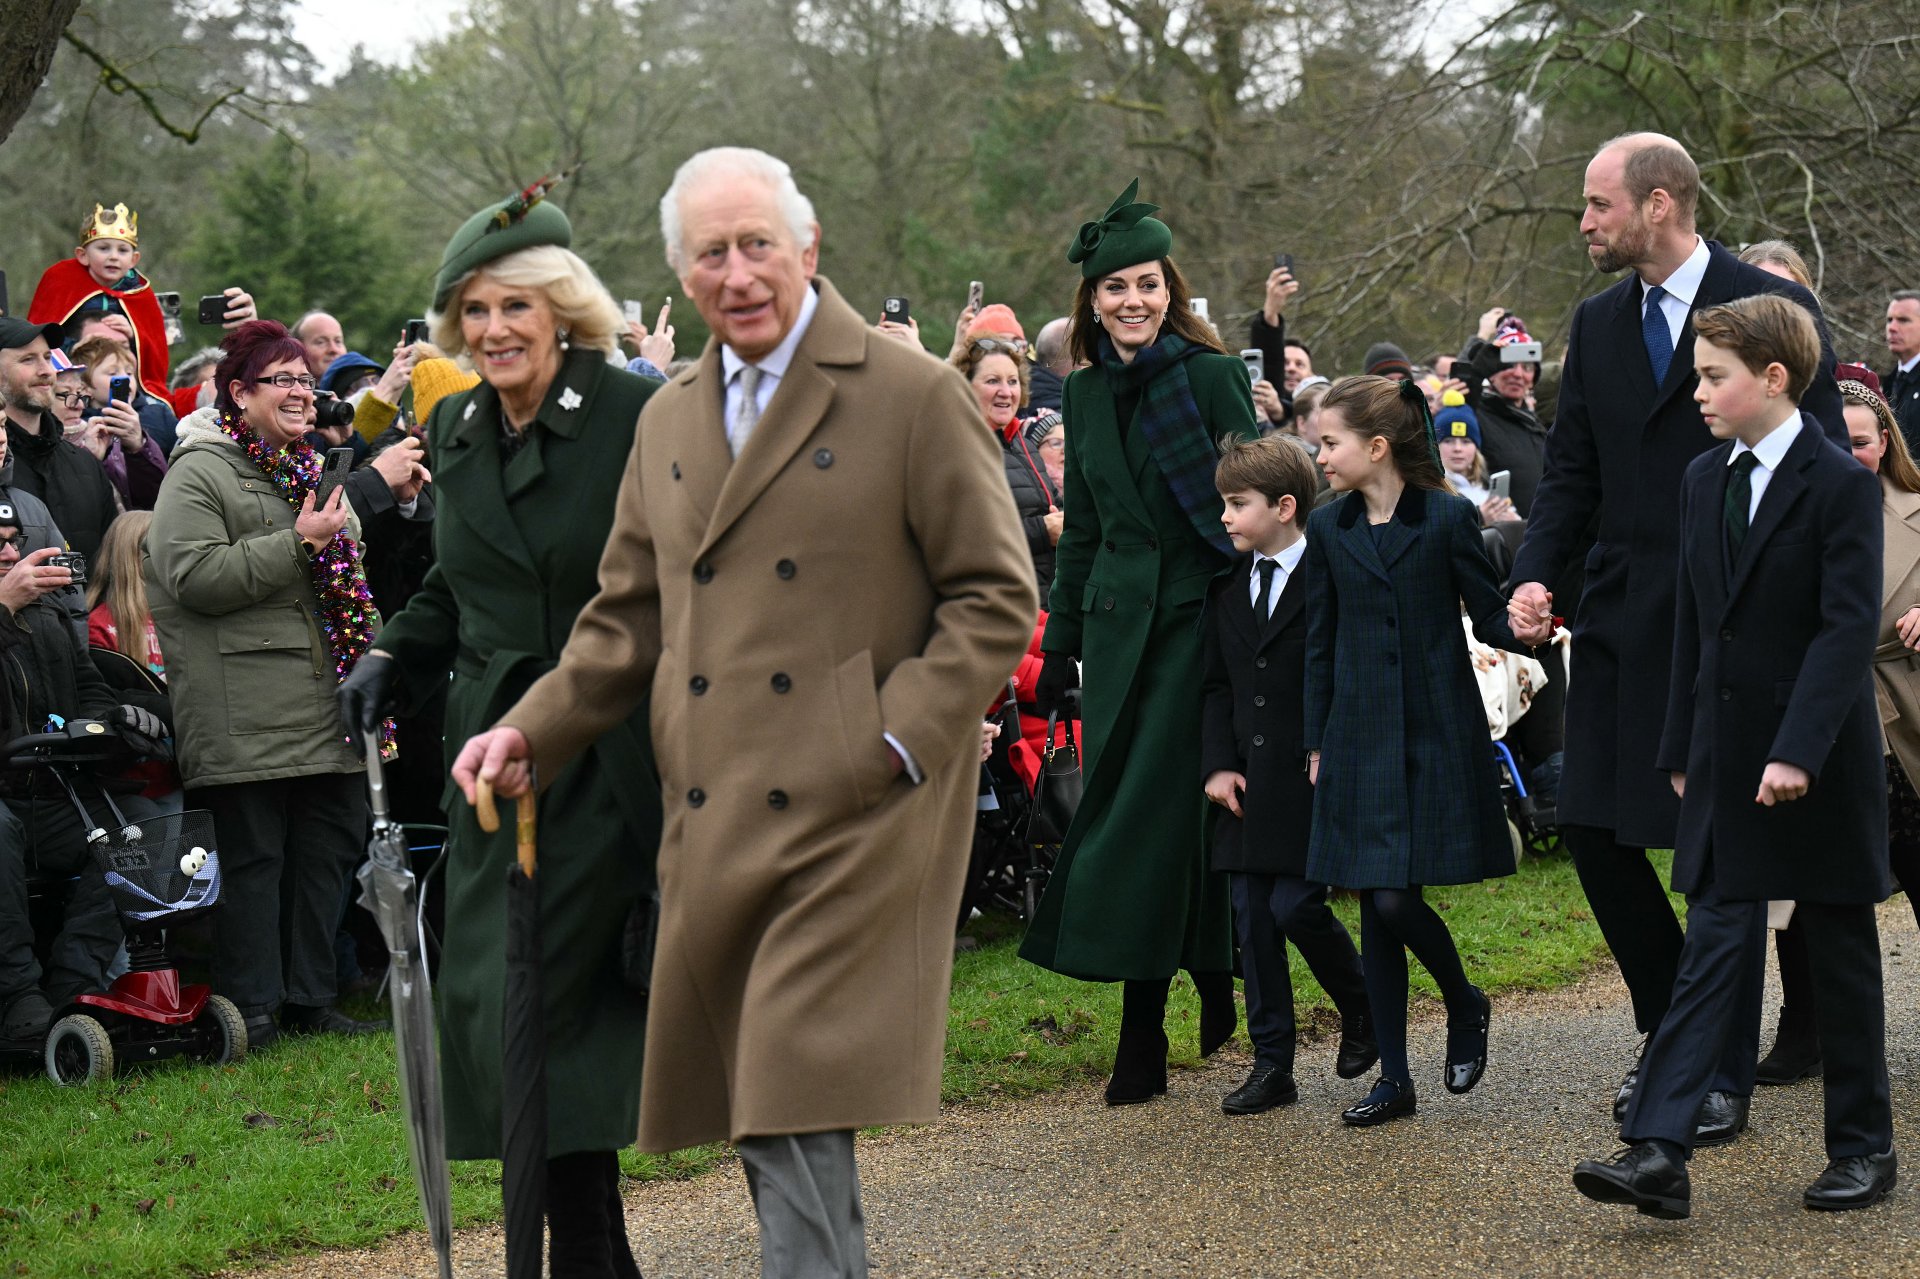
517	550
1131	896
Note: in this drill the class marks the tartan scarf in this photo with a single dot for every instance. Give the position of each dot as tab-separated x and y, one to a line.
1169	421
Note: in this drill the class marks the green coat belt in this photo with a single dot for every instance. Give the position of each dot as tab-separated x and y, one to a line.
517	550
1131	896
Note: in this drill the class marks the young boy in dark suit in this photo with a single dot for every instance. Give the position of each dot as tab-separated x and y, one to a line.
1254	768
1773	742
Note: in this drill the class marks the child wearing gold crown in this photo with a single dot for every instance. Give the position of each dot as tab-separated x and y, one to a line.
102	277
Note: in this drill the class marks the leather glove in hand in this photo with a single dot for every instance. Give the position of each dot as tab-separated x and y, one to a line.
141	729
1059	675
367	694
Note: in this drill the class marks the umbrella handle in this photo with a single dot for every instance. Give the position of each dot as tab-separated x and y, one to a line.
525	810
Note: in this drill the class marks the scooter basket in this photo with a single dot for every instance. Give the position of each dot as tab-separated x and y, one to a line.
143	865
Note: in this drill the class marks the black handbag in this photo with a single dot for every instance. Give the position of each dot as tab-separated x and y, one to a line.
1056	795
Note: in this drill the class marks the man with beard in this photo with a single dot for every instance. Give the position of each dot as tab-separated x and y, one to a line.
1626	430
63	475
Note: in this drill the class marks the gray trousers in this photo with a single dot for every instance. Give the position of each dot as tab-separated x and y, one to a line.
806	1192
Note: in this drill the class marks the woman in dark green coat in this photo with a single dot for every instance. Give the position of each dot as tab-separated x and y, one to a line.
526	469
1131	898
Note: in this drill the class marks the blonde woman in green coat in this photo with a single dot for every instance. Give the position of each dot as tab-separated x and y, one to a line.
527	466
1132	899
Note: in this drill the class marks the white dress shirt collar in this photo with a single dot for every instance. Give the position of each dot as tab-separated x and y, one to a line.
1684	284
1908	366
1772	447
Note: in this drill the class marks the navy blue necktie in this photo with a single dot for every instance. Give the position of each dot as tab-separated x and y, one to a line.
1654	332
1263	608
1739	498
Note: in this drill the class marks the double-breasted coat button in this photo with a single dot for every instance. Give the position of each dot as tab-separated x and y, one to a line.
696	797
776	799
1259	739
698	684
1107	604
1727	633
676	470
823	458
1726	694
1260	663
1152	544
703	572
1149	601
781	683
784	569
1259	699
1110	544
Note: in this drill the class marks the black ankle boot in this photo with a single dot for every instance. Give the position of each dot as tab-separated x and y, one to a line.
1219	1014
1140	1059
586	1225
1796	1050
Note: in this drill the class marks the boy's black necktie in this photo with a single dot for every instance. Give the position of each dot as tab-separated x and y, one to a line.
1739	498
1262	607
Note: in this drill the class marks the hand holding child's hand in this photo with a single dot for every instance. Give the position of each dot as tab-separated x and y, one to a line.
1782	782
1530	612
1224	788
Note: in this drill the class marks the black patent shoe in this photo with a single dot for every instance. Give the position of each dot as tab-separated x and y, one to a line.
1857	1181
1723	1117
1795	1055
1388	1101
297	1019
1359	1050
1268	1086
1645	1176
1467	1045
1625	1092
262	1032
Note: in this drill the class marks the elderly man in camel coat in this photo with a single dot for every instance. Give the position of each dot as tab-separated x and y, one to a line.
817	568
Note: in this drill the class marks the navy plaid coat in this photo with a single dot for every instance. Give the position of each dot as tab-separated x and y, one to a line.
1407	792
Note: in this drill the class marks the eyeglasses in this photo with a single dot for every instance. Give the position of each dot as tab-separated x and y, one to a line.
287	381
1051	443
1001	346
74	399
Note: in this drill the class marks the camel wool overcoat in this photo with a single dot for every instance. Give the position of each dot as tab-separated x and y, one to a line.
857	572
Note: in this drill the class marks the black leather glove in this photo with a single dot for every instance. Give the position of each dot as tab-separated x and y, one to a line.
141	729
367	694
1059	676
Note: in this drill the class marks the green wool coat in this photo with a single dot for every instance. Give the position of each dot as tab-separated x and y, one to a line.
1131	897
517	549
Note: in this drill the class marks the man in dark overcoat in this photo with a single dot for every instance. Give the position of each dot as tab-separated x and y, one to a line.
1625	431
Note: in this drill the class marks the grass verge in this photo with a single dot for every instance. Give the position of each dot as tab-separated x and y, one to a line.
185	1170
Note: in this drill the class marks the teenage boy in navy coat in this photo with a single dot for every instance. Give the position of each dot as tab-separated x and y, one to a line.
1254	767
1773	745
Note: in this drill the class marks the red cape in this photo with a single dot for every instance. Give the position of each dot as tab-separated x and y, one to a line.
67	283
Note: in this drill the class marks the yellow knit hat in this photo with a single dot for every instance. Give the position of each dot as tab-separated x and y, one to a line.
435	379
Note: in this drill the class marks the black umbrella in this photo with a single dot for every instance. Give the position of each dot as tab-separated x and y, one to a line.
523	1073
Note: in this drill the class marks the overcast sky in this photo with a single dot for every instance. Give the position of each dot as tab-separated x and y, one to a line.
389	29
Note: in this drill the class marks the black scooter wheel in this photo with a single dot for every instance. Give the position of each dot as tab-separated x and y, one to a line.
79	1051
221	1032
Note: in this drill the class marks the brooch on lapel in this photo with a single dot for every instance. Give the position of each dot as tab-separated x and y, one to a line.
471	406
569	399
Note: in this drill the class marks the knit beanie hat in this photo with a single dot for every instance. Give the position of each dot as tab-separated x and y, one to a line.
1124	236
434	380
1455	421
1384	359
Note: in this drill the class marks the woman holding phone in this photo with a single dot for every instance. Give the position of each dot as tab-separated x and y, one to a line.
261	607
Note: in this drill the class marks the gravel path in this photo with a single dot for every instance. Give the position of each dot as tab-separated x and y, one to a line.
1473	1185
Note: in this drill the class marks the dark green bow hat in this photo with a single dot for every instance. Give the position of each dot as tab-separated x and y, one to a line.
519	222
1124	237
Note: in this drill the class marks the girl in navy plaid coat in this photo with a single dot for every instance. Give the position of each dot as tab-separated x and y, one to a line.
1398	748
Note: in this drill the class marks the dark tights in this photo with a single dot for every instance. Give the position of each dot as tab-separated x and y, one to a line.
586	1222
1394	921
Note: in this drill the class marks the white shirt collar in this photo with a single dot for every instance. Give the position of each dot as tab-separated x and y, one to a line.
1908	366
1684	283
1773	447
1288	560
777	360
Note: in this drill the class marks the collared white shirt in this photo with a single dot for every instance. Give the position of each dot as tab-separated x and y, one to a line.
773	366
1682	287
1766	458
1908	366
1288	560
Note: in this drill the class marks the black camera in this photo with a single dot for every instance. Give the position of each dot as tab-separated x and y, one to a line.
330	410
72	561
